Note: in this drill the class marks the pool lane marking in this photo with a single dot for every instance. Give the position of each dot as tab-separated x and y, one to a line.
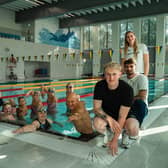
73	81
35	84
64	99
29	88
59	90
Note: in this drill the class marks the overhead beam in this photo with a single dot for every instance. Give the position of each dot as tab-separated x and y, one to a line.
58	8
3	2
118	14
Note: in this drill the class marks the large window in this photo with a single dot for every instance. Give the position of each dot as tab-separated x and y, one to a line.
105	35
148	34
86	38
166	35
124	27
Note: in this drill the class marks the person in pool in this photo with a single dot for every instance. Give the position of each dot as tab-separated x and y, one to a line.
40	123
36	102
51	100
1	100
79	115
69	90
7	112
22	108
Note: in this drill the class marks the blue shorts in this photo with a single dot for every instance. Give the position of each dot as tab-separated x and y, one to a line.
138	110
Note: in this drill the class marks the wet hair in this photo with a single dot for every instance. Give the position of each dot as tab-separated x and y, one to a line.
113	65
5	104
69	85
36	92
130	61
21	97
51	90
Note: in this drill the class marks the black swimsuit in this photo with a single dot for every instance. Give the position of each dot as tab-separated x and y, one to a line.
45	126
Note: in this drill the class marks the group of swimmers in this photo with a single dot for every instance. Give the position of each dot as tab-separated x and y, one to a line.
11	111
120	101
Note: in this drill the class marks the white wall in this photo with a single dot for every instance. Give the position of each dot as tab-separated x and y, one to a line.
7	22
58	68
3	71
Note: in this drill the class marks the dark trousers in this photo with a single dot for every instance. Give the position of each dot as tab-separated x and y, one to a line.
138	110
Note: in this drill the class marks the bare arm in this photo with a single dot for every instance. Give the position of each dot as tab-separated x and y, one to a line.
146	64
28	128
54	122
75	116
122	64
79	112
141	95
100	113
122	117
97	108
43	91
30	92
113	144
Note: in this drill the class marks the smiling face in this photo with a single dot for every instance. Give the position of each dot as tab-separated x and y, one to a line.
129	69
7	108
130	38
72	100
41	116
22	102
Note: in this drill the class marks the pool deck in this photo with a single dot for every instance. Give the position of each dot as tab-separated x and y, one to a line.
47	151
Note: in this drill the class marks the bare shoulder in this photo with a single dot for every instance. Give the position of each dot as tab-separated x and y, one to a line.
49	120
81	104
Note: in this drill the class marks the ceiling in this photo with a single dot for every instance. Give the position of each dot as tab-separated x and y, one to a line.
82	12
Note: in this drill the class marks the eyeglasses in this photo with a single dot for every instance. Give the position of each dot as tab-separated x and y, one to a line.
42	111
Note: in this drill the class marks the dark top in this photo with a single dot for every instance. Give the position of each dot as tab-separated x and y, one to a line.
1	102
45	126
113	99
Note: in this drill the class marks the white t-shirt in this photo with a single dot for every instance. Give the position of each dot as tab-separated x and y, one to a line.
142	49
138	82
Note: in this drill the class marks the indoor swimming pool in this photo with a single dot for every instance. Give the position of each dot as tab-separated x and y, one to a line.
83	87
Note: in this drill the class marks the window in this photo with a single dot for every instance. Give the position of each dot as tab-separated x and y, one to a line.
148	34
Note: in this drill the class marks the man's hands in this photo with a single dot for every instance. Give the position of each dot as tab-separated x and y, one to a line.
114	125
113	147
18	131
75	116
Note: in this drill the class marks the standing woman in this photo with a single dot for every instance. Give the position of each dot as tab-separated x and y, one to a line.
137	51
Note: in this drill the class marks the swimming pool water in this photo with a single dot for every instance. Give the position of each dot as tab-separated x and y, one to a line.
83	87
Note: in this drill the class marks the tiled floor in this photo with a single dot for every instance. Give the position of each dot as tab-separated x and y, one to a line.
38	150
